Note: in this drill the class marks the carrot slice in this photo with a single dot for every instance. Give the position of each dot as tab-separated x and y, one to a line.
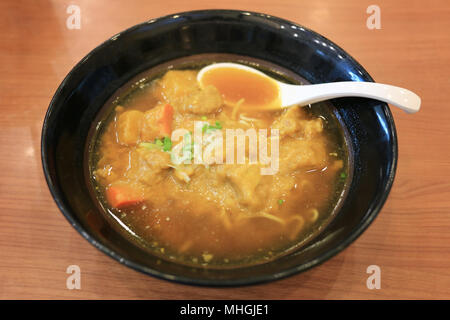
122	196
165	121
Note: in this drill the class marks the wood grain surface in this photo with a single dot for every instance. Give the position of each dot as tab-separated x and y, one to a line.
409	241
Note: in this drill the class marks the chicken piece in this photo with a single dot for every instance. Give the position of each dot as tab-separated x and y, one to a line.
177	86
184	172
207	100
244	180
128	126
105	174
150	124
297	154
148	165
155	159
181	90
311	127
179	83
289	122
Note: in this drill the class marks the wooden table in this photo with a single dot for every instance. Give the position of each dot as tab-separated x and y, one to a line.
409	241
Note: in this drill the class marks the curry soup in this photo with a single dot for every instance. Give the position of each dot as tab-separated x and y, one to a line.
215	213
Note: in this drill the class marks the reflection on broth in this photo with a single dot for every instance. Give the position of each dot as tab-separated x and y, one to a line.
218	213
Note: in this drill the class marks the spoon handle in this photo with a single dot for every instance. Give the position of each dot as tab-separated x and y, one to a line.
307	94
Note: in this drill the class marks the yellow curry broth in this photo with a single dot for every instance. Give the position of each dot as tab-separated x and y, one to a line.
220	213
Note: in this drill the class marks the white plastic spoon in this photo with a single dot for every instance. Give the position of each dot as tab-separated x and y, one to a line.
306	94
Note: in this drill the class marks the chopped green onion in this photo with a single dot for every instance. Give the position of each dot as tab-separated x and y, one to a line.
149	145
343	175
164	145
281	201
167	144
204	118
188	147
207	127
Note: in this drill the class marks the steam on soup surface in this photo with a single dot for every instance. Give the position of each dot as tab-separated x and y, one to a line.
213	212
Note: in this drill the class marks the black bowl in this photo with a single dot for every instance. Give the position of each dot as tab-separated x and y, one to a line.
372	135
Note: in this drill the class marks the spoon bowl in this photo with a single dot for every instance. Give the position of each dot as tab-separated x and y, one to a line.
284	95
